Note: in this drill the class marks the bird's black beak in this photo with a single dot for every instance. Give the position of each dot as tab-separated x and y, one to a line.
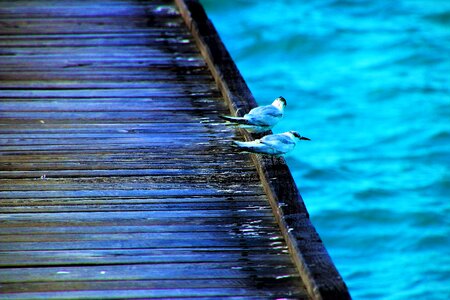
305	138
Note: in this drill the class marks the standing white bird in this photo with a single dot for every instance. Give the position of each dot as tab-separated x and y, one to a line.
272	144
261	118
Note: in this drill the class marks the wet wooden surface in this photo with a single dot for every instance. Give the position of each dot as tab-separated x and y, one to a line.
116	175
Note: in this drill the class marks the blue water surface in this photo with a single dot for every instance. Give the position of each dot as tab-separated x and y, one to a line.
369	83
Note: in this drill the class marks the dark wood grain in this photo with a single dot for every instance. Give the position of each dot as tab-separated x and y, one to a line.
117	179
318	272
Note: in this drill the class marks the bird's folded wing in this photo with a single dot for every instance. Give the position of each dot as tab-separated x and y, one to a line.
277	140
264	115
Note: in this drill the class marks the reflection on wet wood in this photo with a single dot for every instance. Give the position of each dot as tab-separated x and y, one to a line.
116	175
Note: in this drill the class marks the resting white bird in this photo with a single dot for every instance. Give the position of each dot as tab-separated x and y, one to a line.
261	118
272	144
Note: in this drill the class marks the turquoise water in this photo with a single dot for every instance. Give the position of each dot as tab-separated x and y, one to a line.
369	83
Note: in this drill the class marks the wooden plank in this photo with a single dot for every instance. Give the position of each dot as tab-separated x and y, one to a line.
179	35
57	108
102	93
106	73
186	192
30	27
170	139
126	207
146	294
96	26
88	173
161	147
95	41
43	205
241	202
91	10
138	204
276	286
251	229
70	76
86	63
110	157
111	84
44	185
160	236
139	244
141	272
41	185
136	22
219	176
109	165
225	221
235	204
128	215
108	128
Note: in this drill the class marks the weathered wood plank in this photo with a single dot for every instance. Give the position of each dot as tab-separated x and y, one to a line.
171	139
206	294
134	204
183	72
105	93
248	202
29	27
68	76
110	164
248	245
153	35
111	157
65	118
125	207
160	236
141	272
118	41
88	63
92	52
237	229
44	185
186	192
161	147
91	10
65	85
115	172
277	286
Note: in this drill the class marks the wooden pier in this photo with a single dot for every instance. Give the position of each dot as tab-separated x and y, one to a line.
117	179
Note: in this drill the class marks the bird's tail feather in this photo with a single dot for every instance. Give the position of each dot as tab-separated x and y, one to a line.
238	120
247	146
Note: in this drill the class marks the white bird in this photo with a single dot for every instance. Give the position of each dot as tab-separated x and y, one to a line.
272	144
261	118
